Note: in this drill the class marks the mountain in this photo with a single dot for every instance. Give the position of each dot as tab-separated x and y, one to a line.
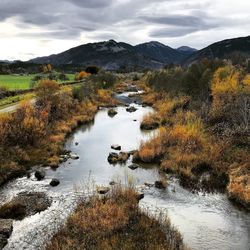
110	55
160	52
222	50
186	50
114	55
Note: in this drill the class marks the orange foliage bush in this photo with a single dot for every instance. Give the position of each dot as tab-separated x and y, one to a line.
81	75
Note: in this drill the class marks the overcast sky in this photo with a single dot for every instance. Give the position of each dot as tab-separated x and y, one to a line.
31	28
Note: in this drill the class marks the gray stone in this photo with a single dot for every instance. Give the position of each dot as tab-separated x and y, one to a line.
54	182
73	156
131	109
112	112
40	174
133	166
160	185
6	227
116	147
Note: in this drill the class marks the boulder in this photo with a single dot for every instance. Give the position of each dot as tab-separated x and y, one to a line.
6	227
160	184
64	158
112	112
23	205
131	109
133	166
116	147
103	190
140	196
54	182
73	156
123	157
114	158
40	174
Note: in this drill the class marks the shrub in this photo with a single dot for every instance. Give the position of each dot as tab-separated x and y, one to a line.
93	70
84	91
63	77
231	96
104	79
116	222
81	75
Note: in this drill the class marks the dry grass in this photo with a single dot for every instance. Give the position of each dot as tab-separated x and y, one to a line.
39	132
115	222
239	186
188	145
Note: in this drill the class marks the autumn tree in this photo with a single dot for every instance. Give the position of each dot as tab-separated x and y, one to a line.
231	96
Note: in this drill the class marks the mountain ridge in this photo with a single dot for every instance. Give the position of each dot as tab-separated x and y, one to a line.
113	55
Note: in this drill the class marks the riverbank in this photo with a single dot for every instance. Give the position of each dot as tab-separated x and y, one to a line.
188	146
30	137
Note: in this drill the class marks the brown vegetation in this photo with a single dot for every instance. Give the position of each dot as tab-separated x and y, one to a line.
35	133
115	222
193	141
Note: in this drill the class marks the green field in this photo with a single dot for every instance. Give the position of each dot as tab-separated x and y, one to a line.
15	82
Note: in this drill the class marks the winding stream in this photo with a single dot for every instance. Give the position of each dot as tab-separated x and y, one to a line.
207	221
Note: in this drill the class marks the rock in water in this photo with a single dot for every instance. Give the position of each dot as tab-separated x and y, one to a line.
112	112
113	158
131	109
160	184
40	174
23	205
116	147
140	196
73	156
54	182
6	227
133	166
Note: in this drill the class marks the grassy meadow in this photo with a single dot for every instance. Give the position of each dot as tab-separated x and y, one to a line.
20	82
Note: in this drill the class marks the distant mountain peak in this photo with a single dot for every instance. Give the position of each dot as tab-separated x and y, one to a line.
186	49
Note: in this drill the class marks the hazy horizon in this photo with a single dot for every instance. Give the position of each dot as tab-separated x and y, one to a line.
32	29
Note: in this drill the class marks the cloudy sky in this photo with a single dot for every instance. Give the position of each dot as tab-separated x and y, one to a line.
31	28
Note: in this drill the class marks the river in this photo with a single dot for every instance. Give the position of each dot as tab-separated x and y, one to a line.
206	221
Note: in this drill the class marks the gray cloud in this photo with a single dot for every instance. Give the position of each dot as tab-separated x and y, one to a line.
130	21
172	32
96	4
